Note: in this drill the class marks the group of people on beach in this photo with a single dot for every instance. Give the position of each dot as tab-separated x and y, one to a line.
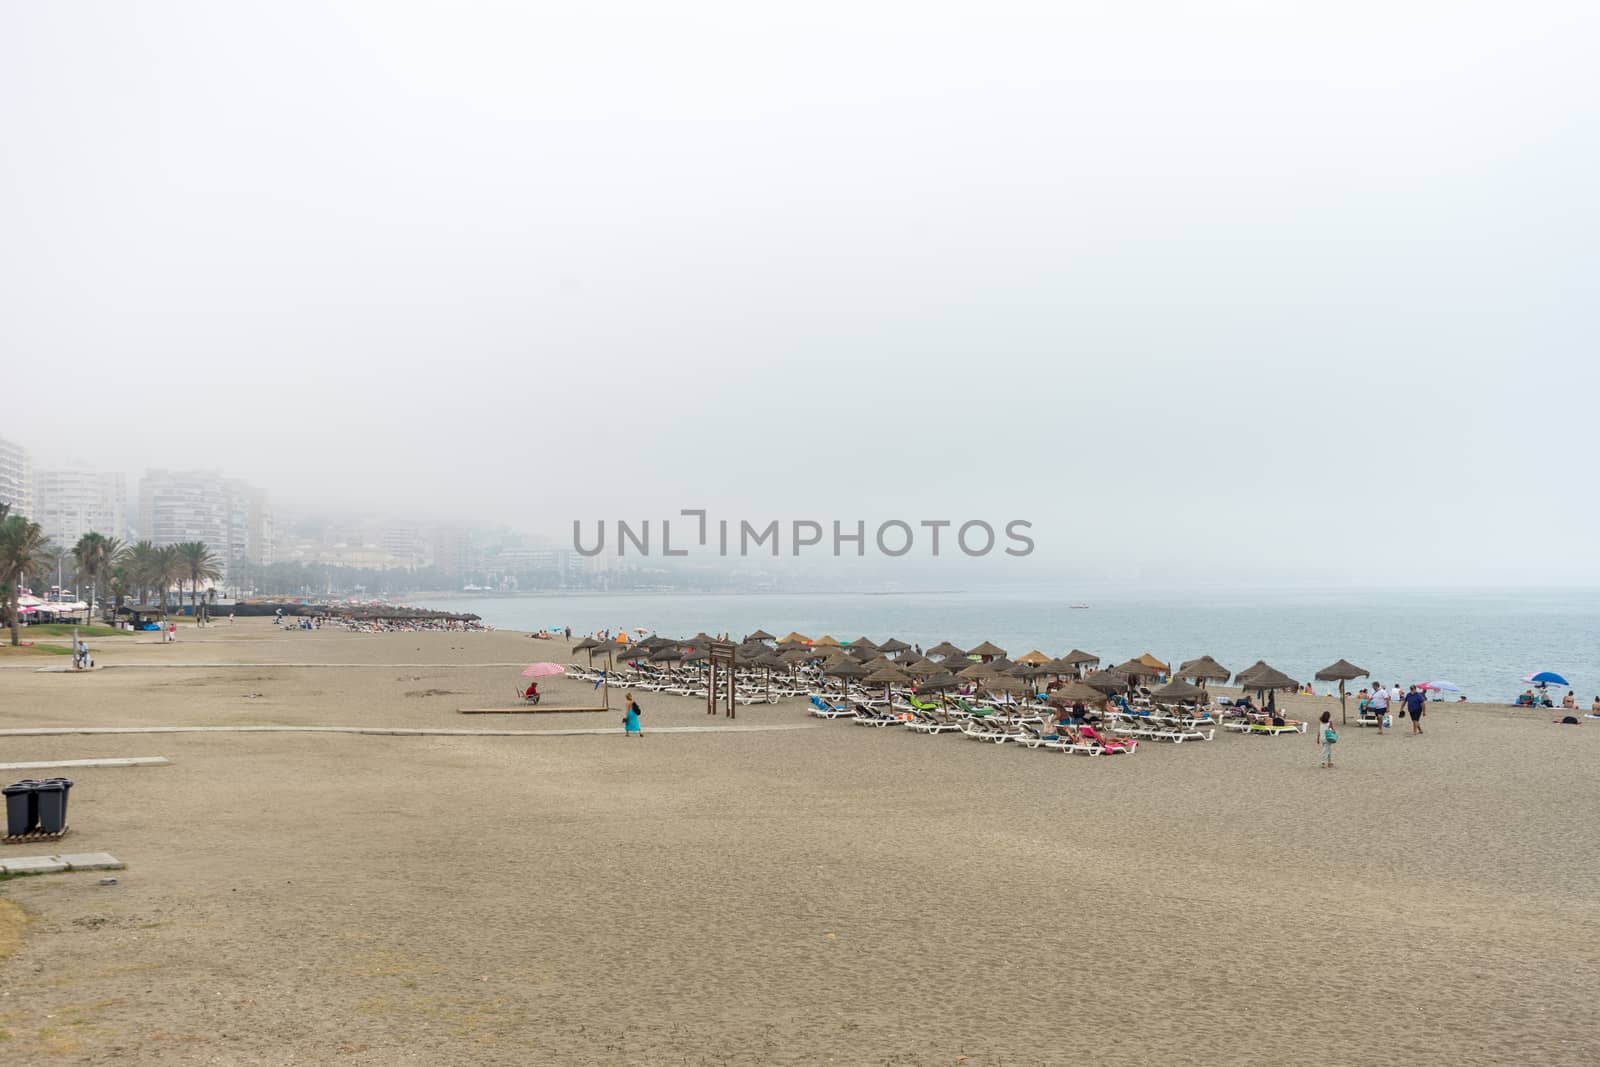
1542	700
1380	701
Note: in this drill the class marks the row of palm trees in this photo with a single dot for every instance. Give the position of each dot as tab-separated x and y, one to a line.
141	569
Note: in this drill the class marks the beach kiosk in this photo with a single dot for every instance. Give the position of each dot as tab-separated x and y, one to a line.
141	617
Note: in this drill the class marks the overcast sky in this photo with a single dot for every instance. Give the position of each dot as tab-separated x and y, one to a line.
1222	288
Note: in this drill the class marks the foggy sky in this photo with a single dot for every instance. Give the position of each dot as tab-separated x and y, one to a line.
1221	289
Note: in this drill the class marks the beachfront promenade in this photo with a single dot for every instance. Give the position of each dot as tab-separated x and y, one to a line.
335	865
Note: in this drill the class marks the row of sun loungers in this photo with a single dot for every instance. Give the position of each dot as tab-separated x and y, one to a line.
1261	724
751	688
995	729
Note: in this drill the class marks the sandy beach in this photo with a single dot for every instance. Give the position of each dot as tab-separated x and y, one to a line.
823	894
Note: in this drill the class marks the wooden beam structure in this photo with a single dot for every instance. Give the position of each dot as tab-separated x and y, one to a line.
721	660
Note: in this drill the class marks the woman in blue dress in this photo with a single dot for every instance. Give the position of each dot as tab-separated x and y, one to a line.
630	721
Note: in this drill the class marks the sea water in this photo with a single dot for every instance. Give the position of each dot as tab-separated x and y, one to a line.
1482	641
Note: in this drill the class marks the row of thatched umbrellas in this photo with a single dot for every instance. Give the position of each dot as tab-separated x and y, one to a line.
869	663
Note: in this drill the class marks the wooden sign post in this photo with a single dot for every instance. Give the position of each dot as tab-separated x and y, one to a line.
722	660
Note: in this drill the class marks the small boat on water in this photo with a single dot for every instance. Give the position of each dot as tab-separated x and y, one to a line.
1078	607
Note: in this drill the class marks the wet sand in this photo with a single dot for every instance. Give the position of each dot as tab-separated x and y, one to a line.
829	895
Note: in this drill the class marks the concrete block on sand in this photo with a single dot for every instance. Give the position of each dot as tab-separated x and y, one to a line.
92	861
32	865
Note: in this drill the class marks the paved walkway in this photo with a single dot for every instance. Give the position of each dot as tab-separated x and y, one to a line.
390	731
119	761
71	861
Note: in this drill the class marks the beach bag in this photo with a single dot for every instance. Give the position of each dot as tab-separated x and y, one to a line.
1329	735
1387	722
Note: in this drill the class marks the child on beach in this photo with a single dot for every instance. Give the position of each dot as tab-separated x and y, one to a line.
630	721
1326	737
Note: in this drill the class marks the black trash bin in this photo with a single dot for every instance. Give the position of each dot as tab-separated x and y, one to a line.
52	793
22	807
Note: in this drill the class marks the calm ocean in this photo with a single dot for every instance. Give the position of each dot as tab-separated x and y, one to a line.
1482	641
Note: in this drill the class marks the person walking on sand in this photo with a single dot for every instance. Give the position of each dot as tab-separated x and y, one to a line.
1379	705
1326	738
1416	707
630	720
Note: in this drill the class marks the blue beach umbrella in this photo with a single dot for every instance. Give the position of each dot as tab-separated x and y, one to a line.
1546	678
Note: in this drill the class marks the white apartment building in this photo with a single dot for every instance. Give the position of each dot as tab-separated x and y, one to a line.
69	502
16	478
229	515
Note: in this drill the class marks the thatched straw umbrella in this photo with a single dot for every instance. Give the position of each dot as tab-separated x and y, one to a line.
1136	669
1029	674
1107	681
976	672
826	641
795	656
1006	685
1258	665
987	651
887	676
1035	658
769	663
588	644
893	645
792	638
1149	660
1178	692
863	642
945	650
1076	692
1079	660
1203	670
1267	679
937	685
844	668
1342	671
863	653
759	635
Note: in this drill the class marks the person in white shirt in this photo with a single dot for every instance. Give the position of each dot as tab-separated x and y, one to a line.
1396	698
1379	705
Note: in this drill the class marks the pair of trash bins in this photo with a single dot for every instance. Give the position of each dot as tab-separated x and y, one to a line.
36	805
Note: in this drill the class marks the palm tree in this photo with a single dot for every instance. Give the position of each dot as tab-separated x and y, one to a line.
168	571
140	562
200	563
91	554
112	551
23	547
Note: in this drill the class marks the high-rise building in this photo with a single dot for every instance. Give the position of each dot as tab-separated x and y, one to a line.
16	477
229	515
72	501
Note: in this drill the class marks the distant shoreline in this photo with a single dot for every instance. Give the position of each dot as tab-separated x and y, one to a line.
606	593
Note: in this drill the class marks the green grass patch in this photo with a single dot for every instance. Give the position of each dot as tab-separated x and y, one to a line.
64	629
6	649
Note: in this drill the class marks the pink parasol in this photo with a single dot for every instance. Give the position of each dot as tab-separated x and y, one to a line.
541	670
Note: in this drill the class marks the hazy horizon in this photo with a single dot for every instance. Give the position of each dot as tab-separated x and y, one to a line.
1202	294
